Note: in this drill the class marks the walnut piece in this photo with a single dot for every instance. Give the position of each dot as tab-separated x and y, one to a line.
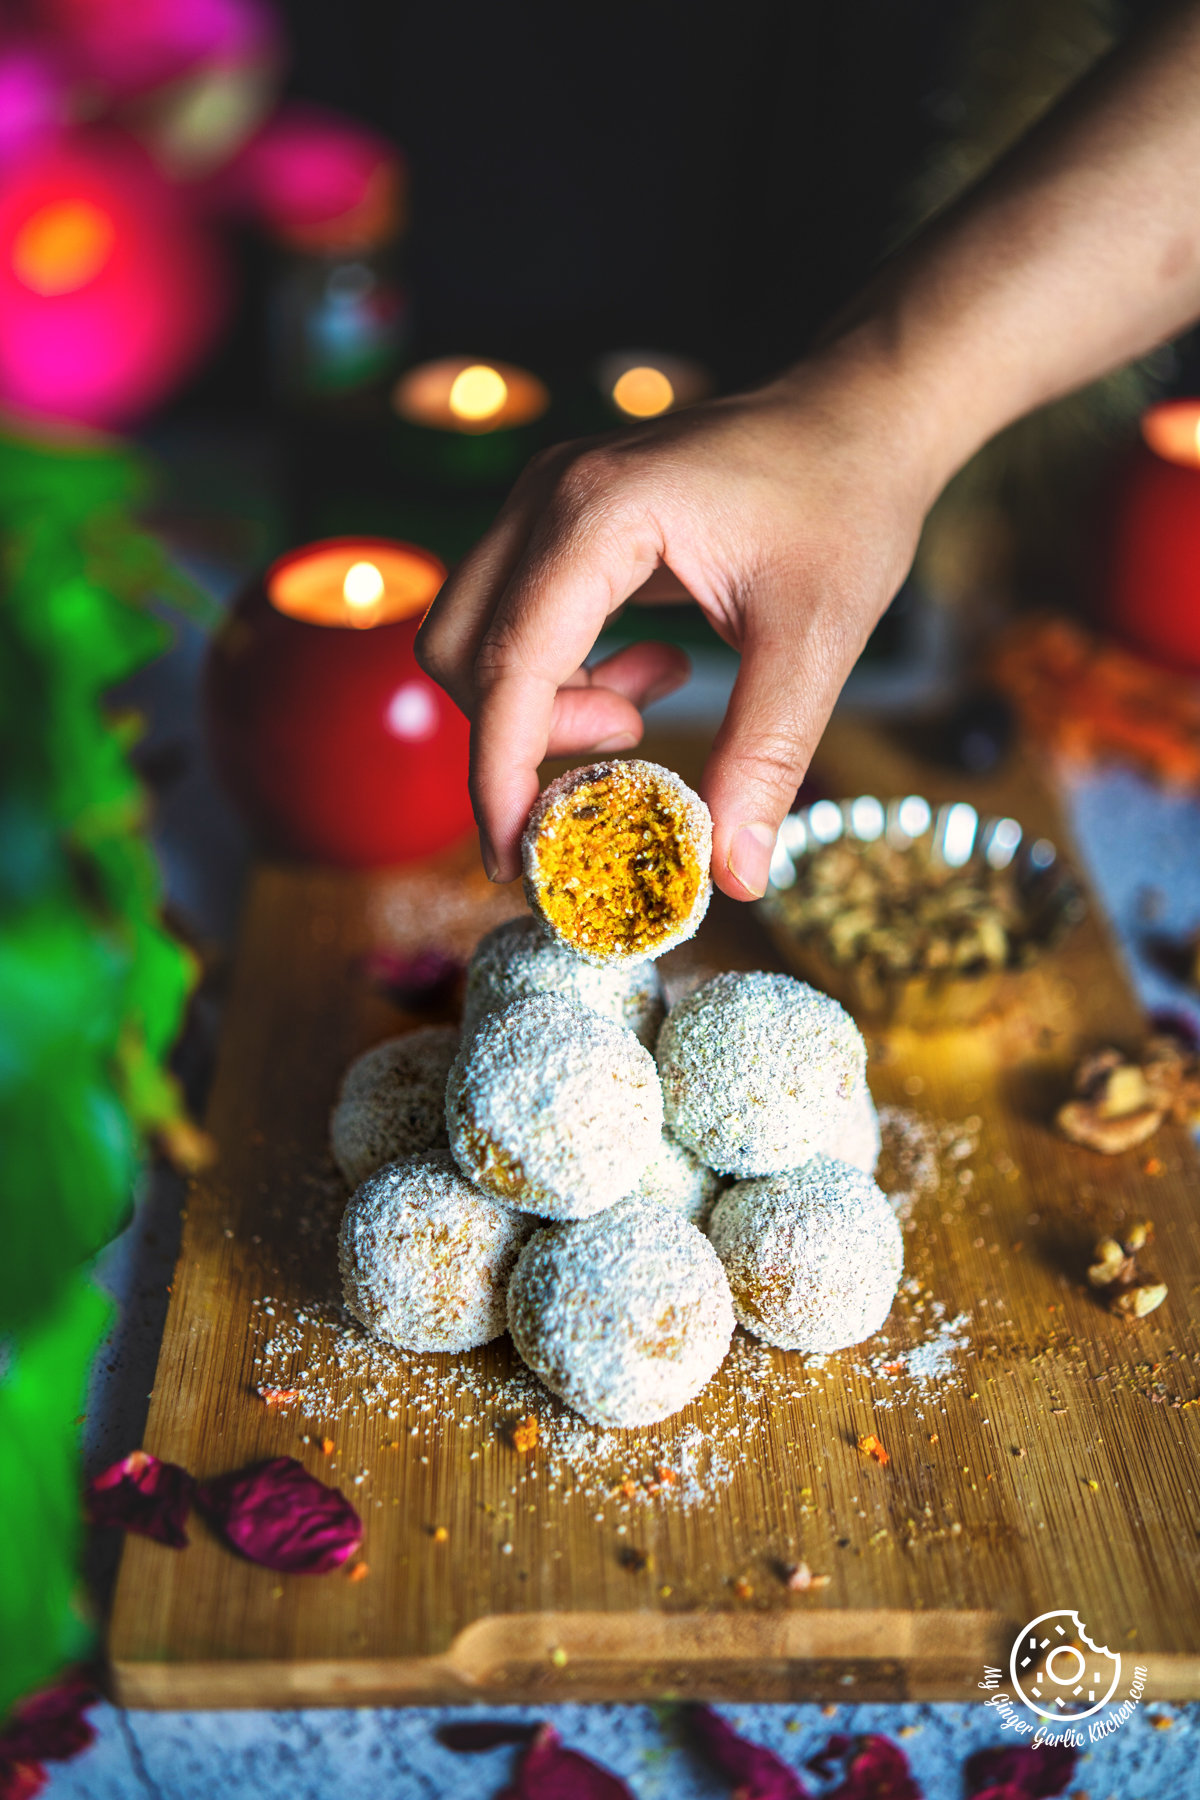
1084	1122
1135	1302
1114	1271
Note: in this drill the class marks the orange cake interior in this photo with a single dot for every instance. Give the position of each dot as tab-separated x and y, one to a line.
616	873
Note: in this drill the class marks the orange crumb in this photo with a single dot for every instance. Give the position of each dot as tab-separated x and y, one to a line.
665	1475
1153	1165
524	1435
743	1589
327	1446
870	1446
275	1396
628	1488
440	1534
1161	1722
933	1437
358	1573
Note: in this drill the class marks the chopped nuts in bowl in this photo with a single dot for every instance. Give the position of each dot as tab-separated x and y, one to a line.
907	913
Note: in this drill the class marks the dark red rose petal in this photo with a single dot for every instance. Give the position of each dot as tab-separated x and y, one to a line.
143	1494
484	1734
51	1727
1020	1772
877	1769
413	982
21	1780
823	1764
277	1514
548	1772
759	1773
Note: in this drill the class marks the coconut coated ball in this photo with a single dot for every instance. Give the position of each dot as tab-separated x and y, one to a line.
616	858
553	1108
625	1316
392	1102
426	1258
754	1070
520	958
813	1256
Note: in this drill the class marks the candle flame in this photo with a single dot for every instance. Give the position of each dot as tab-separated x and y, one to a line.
478	392
643	393
363	586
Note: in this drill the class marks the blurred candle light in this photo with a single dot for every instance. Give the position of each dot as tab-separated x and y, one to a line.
460	395
1153	567
645	384
478	393
327	734
643	392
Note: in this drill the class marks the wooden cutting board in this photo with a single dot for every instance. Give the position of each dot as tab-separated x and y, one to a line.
1042	1453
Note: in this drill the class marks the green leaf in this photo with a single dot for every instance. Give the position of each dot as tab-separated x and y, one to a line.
69	1165
41	1397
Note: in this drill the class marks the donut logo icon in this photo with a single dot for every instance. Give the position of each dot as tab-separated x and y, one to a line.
1058	1671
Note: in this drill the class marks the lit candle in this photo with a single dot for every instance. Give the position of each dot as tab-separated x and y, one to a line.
456	394
328	736
465	421
1153	569
645	384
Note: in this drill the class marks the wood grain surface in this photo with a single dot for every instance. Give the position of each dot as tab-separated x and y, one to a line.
1052	1462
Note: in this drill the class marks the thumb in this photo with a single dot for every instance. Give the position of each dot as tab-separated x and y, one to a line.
783	696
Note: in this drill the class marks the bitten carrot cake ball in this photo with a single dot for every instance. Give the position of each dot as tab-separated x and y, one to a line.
553	1108
426	1258
616	859
520	958
678	1180
854	1135
754	1068
625	1316
813	1257
392	1102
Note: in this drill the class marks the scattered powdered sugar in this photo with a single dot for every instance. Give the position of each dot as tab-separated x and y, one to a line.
626	1316
392	1101
754	1068
553	1108
519	958
915	1151
425	1257
934	1358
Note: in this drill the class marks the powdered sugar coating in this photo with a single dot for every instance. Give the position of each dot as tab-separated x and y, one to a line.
676	1179
520	958
392	1101
853	1136
813	1256
553	1108
634	780
626	1316
754	1068
426	1258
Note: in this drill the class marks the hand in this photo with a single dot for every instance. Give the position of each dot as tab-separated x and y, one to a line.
790	514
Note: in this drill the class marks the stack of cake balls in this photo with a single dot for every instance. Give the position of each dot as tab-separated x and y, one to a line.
613	1182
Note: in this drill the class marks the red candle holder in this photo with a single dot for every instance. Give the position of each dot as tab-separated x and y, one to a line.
330	739
1154	568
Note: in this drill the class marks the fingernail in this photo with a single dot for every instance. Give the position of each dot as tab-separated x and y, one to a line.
624	740
749	857
487	856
